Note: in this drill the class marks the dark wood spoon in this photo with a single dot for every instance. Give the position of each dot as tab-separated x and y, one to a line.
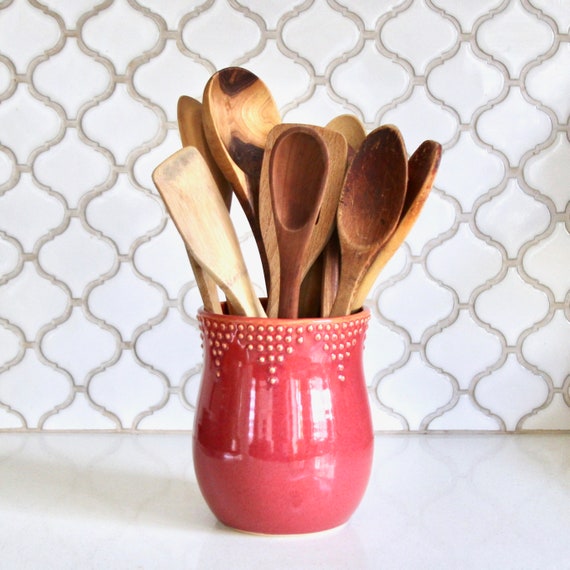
422	169
370	206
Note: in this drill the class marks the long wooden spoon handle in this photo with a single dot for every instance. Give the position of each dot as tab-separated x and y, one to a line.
330	274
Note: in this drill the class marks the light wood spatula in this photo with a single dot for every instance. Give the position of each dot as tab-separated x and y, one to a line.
198	211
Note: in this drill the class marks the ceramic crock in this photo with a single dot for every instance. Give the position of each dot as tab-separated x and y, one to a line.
283	439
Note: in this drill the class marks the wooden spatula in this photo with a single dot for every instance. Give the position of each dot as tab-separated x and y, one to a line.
198	211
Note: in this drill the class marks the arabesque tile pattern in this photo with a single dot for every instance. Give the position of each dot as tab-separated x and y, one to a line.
471	318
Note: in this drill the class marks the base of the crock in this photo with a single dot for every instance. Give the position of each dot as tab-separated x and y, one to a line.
286	535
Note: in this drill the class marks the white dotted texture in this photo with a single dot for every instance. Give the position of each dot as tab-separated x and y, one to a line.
470	326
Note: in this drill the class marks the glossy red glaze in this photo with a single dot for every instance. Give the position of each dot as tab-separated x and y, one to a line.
283	437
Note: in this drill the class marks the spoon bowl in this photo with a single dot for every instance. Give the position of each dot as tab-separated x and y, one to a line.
191	127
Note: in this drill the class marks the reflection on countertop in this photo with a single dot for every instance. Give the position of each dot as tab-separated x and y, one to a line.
119	501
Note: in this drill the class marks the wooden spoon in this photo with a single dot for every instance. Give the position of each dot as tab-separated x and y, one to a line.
422	169
198	211
239	113
335	149
353	131
298	165
351	128
192	134
369	209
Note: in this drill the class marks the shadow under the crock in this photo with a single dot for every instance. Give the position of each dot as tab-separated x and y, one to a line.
45	488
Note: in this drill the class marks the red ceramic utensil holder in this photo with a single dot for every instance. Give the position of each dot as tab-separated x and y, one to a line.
283	438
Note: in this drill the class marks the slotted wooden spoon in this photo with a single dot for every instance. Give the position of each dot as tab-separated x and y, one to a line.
422	169
370	206
198	211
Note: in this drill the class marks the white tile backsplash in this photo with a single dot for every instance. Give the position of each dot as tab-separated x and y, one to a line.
471	318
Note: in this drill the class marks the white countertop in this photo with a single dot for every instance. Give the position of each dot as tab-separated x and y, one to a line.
109	501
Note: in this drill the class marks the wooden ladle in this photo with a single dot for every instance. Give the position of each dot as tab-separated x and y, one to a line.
190	127
239	113
370	206
422	169
298	166
200	215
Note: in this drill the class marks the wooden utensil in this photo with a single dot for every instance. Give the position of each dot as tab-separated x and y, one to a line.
239	112
370	205
351	128
298	166
353	131
290	176
191	131
422	169
198	211
330	275
191	128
